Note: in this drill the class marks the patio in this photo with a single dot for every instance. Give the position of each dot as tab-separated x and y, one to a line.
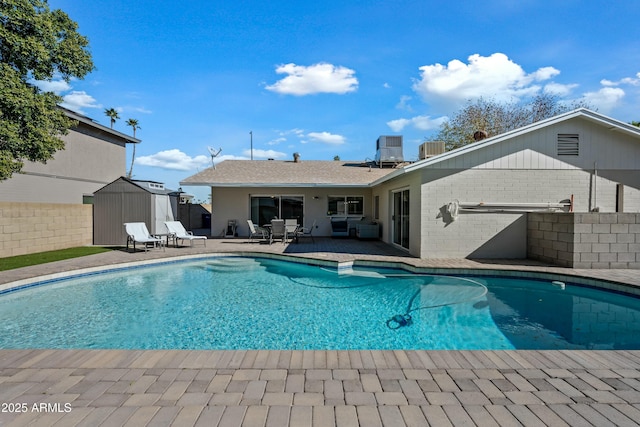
318	388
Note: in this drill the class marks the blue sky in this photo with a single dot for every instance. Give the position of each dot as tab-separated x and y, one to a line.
327	78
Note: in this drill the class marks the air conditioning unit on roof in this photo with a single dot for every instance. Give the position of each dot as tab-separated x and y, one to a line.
430	149
389	150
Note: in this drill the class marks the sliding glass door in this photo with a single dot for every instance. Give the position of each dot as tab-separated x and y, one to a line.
266	208
400	217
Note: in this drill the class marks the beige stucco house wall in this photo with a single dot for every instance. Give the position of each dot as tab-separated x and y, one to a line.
234	204
579	161
42	208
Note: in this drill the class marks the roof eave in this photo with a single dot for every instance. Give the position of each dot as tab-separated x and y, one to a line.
275	185
87	121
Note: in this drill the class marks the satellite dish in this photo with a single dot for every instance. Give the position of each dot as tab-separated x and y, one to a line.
214	154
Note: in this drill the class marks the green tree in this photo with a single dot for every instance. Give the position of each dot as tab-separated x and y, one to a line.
135	126
36	43
113	114
635	123
494	118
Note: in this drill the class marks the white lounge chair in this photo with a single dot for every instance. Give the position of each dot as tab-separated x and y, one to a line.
254	231
137	232
178	232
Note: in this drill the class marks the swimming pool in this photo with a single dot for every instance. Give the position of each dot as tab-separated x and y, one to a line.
260	303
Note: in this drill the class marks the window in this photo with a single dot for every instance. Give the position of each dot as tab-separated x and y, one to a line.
265	208
568	144
345	205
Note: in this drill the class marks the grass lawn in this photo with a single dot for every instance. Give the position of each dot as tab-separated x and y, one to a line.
44	257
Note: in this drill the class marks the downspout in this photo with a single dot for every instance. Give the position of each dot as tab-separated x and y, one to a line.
595	188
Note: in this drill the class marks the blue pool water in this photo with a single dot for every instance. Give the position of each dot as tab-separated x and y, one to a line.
254	303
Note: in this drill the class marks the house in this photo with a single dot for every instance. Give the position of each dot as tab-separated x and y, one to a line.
47	206
94	155
472	202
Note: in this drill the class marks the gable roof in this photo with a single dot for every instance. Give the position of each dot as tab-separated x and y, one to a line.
278	173
608	122
153	187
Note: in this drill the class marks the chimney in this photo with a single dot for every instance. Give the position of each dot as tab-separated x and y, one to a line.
296	157
479	135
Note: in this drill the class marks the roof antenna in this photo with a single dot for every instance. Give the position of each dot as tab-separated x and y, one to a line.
214	154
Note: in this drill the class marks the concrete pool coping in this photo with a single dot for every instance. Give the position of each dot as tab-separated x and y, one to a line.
300	388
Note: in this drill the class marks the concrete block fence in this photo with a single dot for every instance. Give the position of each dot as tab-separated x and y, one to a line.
585	240
27	228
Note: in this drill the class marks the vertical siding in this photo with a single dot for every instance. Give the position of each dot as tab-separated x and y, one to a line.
115	204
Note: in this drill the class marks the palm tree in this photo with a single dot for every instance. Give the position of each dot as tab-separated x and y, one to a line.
112	113
134	125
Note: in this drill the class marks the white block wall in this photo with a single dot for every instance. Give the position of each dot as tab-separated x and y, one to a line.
497	235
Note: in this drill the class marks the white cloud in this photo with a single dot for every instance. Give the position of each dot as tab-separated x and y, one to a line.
317	78
326	138
604	99
263	154
55	86
495	76
404	103
277	141
559	89
174	159
418	122
294	131
633	81
79	100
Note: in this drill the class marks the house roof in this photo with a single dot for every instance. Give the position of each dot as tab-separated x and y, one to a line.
278	173
316	173
89	122
608	122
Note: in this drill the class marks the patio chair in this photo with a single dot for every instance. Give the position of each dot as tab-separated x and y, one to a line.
178	232
278	231
307	232
291	229
255	231
137	232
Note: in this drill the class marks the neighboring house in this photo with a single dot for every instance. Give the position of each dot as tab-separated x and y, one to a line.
470	202
94	155
45	207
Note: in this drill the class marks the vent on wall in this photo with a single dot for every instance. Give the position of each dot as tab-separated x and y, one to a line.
568	144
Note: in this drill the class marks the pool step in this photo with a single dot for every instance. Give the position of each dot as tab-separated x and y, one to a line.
234	265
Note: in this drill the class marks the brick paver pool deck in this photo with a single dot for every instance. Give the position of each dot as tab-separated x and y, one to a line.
46	387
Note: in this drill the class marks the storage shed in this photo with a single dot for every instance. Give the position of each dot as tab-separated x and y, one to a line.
126	200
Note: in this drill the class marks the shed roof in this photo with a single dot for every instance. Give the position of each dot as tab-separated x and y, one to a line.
153	187
278	173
